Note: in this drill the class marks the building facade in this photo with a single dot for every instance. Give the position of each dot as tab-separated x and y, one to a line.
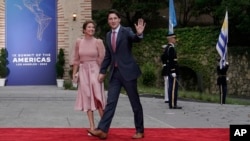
68	29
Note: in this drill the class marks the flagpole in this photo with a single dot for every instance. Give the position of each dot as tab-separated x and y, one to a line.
226	56
227	36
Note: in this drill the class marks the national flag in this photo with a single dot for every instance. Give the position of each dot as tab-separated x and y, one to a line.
172	17
221	45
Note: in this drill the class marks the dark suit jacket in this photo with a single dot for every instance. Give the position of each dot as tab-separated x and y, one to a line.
126	63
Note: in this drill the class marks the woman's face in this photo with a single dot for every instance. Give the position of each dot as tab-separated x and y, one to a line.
89	30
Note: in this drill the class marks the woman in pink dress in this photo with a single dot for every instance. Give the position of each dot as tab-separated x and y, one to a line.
88	54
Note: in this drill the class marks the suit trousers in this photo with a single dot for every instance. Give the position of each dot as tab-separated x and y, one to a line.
115	85
223	93
172	91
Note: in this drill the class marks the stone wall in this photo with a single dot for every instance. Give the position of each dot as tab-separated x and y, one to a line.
238	76
69	30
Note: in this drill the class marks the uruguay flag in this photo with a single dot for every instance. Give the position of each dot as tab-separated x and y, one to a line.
172	18
221	45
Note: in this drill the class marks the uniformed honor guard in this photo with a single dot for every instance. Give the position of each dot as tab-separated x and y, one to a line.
164	73
222	81
171	70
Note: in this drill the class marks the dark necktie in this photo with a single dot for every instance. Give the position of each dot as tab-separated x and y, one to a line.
113	41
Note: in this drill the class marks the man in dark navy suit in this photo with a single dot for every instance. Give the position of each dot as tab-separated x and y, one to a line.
124	72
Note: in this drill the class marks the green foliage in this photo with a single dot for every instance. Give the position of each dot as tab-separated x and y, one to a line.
68	85
188	13
4	70
70	72
100	17
209	8
195	50
148	75
60	64
150	48
205	97
238	14
142	89
131	10
196	45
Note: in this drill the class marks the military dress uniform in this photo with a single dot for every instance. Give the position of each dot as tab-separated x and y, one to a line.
164	73
222	82
169	59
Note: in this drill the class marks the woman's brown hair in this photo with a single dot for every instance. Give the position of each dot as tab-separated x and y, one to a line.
86	23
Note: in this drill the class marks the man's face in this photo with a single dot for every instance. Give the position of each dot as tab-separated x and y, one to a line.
172	40
113	20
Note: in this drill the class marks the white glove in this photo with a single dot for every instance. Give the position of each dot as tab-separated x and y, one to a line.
173	74
227	63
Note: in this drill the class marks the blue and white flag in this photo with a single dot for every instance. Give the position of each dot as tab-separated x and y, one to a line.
172	18
221	45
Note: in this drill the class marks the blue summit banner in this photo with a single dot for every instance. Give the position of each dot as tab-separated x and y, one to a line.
31	41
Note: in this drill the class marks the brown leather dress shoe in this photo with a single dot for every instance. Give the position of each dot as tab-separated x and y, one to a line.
98	133
138	136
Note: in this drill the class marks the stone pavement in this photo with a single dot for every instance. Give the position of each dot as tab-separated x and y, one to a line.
49	106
